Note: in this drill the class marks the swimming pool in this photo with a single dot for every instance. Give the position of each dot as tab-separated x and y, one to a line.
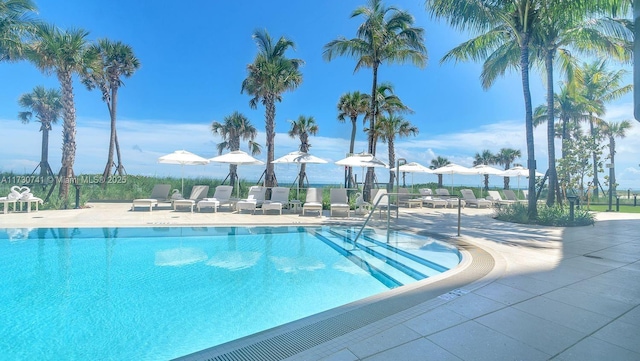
160	293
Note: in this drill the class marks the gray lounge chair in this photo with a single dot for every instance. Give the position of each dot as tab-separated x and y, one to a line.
470	199
339	201
197	193
313	201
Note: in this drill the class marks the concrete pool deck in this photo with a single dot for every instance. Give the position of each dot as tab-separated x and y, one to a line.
551	293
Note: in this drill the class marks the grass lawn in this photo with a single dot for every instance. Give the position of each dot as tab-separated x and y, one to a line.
623	208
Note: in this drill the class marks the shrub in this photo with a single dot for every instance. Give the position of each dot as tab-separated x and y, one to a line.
547	216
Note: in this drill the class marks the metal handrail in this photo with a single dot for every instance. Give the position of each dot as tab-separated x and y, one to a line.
373	209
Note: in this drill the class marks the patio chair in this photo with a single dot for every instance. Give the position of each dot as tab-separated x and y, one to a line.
279	197
383	203
429	200
470	199
511	195
406	199
497	199
339	201
452	201
197	193
313	202
254	199
221	196
362	206
159	193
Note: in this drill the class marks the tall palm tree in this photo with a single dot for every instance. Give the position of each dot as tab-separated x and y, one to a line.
270	75
505	157
62	53
235	127
351	105
108	63
599	86
505	29
47	107
614	130
389	127
563	24
437	163
302	128
16	21
485	158
387	35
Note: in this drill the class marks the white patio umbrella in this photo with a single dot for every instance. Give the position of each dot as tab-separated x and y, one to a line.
452	169
414	167
364	160
237	157
484	169
519	171
299	158
183	158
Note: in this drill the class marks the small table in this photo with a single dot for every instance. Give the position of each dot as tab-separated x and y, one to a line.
295	205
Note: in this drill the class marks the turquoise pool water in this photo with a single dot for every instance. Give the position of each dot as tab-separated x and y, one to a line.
160	293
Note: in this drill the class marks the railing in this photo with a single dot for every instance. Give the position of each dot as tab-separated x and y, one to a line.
373	209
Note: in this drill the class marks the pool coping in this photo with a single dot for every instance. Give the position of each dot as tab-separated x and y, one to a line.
477	267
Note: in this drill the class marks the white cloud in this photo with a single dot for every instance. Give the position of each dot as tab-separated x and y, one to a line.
142	142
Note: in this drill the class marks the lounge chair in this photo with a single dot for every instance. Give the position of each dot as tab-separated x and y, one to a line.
313	202
254	199
429	200
511	195
197	194
497	199
221	196
339	201
452	201
383	203
159	193
279	197
11	199
406	199
470	199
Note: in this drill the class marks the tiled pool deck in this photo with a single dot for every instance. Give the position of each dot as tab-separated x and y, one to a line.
552	293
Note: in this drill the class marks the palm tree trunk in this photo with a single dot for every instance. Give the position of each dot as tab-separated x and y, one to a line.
439	180
112	139
270	125
68	134
612	172
392	162
233	174
368	183
302	175
592	130
352	145
531	158
486	182
120	166
44	152
551	133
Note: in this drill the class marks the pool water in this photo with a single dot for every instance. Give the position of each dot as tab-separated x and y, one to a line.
161	293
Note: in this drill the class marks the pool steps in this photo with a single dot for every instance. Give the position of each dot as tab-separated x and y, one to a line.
391	266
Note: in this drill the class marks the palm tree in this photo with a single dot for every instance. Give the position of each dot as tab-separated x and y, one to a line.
614	130
505	157
108	63
562	24
302	128
386	103
62	53
15	22
389	126
47	107
351	105
599	86
270	75
437	163
234	128
486	158
387	35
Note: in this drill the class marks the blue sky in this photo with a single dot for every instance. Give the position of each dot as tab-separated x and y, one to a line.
194	58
